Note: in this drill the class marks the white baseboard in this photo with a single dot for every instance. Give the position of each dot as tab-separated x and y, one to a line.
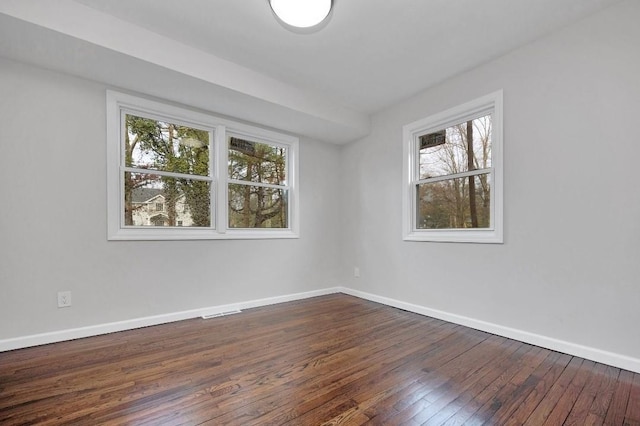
95	330
593	354
609	358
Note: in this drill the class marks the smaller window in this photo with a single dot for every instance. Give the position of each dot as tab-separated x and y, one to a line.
159	207
453	172
158	221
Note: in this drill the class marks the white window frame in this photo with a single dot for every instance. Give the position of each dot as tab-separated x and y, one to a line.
118	104
489	104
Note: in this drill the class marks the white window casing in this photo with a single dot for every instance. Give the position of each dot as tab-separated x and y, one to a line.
120	104
492	105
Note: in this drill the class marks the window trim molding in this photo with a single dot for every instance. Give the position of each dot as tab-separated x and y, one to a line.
117	102
491	103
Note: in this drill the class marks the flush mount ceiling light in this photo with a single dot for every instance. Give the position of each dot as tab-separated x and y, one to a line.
302	15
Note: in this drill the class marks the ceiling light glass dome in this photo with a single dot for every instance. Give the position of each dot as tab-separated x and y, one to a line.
301	14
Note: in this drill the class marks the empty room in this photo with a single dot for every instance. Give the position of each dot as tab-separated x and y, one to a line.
266	212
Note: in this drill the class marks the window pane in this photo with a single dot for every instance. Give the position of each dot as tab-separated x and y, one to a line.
446	152
257	207
454	203
157	145
257	162
153	200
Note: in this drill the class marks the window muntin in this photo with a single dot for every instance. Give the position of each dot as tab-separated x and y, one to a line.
453	169
161	155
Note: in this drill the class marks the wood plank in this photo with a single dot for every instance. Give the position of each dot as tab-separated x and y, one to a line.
327	379
331	360
583	402
567	400
521	386
542	411
541	389
458	373
388	411
419	362
254	376
632	416
506	387
604	393
449	403
618	405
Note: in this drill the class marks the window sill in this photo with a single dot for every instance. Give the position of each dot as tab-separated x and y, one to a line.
146	234
488	236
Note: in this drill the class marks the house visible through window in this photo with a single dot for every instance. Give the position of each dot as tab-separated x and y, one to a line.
171	161
196	176
454	174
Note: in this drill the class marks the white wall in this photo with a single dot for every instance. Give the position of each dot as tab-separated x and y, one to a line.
570	265
53	232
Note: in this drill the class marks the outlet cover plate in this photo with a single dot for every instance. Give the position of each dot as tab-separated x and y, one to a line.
64	299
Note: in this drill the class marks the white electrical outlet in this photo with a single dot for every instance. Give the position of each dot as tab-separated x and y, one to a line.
64	299
356	272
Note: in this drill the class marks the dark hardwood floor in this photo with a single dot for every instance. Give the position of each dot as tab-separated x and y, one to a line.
328	360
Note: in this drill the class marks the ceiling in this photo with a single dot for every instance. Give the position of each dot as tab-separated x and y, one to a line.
233	58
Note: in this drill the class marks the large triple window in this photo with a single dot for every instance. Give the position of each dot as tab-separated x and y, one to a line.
453	172
177	174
